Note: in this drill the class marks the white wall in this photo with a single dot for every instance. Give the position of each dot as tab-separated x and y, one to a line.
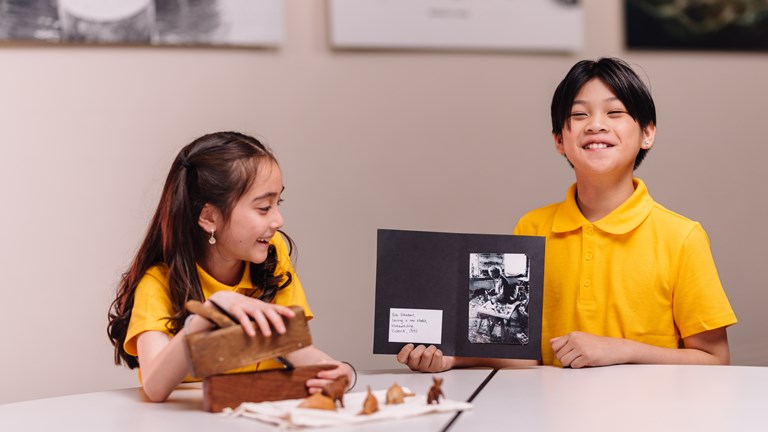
367	140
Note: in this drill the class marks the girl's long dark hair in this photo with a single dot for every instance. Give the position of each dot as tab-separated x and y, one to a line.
217	169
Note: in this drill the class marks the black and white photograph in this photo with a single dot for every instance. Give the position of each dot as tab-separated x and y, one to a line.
717	25
499	294
238	23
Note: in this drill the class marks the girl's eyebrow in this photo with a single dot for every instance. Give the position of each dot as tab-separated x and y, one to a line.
268	194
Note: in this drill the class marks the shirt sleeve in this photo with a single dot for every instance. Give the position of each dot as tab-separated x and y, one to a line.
151	308
699	302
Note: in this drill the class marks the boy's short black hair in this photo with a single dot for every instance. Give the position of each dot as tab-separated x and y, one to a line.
621	79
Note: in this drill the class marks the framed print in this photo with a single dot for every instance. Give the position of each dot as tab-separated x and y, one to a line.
541	25
144	22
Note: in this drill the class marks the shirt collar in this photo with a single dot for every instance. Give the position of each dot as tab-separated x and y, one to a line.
621	220
211	285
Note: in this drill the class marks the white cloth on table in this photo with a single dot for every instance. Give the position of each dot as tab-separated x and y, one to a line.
286	413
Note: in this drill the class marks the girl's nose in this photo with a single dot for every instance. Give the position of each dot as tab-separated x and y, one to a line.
277	220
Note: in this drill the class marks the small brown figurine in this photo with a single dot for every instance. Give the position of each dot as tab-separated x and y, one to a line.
396	395
370	405
318	401
435	392
335	390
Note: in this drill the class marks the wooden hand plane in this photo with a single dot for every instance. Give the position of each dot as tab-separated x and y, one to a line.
228	347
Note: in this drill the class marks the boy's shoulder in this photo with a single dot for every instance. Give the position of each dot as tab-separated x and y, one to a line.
672	222
536	221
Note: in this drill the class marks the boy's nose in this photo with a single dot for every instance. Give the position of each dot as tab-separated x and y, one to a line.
596	124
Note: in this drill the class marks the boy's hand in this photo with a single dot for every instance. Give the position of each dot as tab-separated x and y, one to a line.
424	359
579	349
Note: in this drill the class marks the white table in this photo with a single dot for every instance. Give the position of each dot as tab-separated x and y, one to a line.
544	398
128	409
622	398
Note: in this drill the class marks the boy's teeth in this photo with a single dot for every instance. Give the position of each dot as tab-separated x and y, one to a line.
596	146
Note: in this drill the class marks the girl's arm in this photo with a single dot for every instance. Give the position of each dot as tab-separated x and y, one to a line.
580	349
163	360
312	355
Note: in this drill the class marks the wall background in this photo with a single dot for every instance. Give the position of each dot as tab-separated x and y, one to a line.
408	140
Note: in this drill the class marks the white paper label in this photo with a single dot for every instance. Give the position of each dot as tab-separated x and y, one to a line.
416	325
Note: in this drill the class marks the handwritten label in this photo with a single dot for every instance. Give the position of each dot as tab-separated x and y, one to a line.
416	325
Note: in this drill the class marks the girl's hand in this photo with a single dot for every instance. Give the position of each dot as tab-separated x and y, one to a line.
248	310
325	377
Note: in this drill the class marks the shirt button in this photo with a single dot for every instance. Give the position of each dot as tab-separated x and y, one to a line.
587	282
588	256
590	230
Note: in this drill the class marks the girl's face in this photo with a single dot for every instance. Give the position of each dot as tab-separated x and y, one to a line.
600	136
254	219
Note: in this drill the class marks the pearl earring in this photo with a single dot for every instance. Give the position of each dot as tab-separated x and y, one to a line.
212	240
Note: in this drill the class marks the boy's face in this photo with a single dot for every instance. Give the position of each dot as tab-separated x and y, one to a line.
600	137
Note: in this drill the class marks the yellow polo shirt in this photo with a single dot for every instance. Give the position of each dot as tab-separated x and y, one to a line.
152	303
642	273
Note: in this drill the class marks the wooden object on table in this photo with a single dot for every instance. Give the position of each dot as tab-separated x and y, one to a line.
336	389
318	401
209	312
223	391
230	347
370	404
435	391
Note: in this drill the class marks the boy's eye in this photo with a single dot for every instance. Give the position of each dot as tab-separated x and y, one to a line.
578	114
616	112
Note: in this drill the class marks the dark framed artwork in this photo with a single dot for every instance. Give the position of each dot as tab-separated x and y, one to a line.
143	22
723	25
475	295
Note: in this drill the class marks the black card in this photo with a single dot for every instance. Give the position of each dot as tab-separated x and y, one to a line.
473	295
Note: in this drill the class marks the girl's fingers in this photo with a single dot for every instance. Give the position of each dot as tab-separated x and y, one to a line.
276	319
285	311
315	383
262	323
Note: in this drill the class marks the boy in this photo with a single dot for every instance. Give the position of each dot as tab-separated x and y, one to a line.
626	280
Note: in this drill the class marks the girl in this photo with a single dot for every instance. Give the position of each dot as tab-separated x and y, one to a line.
215	237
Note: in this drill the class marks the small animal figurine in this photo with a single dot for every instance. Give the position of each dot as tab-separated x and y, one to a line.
318	401
370	404
335	390
396	395
435	392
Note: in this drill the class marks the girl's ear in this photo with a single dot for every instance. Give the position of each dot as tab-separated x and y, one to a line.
209	218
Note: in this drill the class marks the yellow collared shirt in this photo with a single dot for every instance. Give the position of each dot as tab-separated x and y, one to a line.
152	304
642	273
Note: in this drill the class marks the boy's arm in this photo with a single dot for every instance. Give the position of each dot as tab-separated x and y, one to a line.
430	359
580	349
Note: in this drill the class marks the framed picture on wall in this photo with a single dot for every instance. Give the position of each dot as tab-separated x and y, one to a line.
144	22
541	25
697	24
